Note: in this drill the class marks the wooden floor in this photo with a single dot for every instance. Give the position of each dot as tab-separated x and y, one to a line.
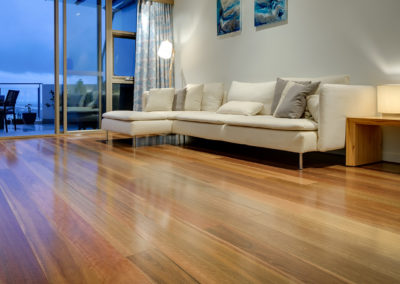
76	210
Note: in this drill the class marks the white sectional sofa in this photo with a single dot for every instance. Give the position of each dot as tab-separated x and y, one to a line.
323	132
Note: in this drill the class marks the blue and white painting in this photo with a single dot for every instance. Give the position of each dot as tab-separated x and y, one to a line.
228	16
269	11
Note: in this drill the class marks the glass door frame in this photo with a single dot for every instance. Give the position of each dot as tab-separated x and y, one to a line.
57	88
108	69
40	85
115	78
110	35
56	68
109	64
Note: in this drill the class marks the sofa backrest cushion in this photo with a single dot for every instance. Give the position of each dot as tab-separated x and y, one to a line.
145	96
178	103
160	99
334	79
213	94
253	92
194	97
313	107
179	100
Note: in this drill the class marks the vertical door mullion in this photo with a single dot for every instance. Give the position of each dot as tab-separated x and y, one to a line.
99	60
65	92
109	55
56	68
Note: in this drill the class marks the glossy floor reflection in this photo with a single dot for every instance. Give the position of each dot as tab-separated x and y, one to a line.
27	130
75	209
35	129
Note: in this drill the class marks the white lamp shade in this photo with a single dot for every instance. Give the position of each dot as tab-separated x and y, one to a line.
165	50
389	99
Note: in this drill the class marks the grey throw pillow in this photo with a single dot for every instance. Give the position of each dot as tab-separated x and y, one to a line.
179	100
293	104
280	86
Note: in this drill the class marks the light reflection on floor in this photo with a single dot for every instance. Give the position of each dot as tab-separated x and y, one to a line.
33	129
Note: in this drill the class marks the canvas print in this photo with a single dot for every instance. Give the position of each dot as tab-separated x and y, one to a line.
269	11
228	16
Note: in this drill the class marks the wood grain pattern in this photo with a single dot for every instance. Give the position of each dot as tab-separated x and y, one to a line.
74	209
364	139
160	268
16	254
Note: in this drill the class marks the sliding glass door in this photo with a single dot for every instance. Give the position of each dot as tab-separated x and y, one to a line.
26	66
69	60
84	57
99	38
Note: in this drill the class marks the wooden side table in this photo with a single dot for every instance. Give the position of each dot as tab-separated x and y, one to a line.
364	139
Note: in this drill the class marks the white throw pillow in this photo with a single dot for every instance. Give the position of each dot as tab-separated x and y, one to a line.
213	94
194	96
313	106
253	92
160	99
241	108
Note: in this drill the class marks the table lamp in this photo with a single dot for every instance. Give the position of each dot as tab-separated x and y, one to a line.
166	51
389	100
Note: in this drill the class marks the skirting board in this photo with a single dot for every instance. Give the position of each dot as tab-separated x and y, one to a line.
391	157
386	156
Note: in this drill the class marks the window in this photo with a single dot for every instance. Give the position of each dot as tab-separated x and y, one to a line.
123	36
124	56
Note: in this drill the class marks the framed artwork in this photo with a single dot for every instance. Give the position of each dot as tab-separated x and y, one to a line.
269	12
228	16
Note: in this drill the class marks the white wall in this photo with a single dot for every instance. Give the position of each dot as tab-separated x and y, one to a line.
322	37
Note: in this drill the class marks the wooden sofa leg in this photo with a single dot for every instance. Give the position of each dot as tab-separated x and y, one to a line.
107	136
300	161
134	142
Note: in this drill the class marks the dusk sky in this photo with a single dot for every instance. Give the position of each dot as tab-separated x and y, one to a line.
26	32
27	45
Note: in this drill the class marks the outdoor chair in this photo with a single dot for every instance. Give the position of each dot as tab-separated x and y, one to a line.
9	107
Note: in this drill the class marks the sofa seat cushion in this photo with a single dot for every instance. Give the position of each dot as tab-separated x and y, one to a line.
204	117
126	115
292	141
257	121
270	122
138	128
